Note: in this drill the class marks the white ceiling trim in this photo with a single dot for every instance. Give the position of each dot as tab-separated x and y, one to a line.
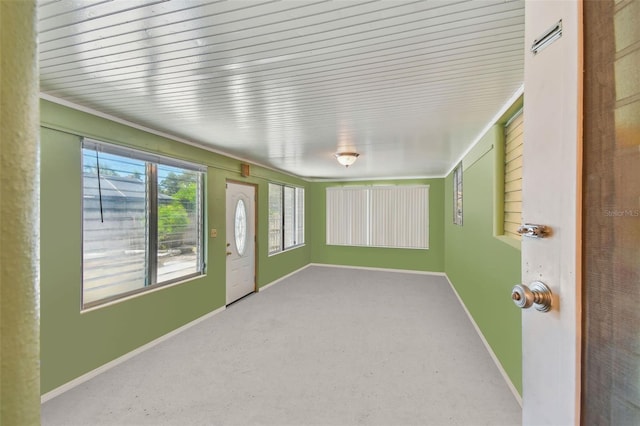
100	114
136	126
388	178
489	125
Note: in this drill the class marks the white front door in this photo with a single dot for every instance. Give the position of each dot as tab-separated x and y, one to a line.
552	197
241	231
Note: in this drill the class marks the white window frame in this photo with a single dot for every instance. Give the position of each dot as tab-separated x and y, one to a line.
286	230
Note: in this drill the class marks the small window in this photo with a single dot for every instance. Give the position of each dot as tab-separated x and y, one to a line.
142	222
286	217
514	140
457	195
240	227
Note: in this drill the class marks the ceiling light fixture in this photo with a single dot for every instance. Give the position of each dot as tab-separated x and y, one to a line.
347	158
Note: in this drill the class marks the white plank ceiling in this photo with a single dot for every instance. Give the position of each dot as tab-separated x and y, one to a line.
407	84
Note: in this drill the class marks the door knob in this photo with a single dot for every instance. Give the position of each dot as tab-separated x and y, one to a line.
539	296
229	253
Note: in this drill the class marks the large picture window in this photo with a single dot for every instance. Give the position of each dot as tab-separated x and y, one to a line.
378	216
142	224
286	217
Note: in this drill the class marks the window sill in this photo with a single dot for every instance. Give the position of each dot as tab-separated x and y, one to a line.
378	247
286	250
116	299
509	240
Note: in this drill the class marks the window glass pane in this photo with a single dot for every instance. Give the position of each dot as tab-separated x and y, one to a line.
114	225
179	231
240	227
286	217
275	218
289	221
299	215
142	221
457	195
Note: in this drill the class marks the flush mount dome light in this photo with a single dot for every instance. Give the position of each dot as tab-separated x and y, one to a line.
347	158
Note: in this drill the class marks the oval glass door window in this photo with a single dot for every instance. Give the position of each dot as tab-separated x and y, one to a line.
241	227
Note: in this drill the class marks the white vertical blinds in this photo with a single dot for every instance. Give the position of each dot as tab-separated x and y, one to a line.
347	216
378	216
400	217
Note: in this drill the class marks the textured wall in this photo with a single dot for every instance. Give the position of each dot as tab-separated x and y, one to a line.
19	192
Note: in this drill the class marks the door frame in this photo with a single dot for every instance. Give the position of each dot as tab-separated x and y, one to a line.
256	196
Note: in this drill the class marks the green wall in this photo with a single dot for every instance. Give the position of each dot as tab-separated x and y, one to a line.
410	259
75	342
481	266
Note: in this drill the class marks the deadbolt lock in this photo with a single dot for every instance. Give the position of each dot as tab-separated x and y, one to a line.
539	296
534	231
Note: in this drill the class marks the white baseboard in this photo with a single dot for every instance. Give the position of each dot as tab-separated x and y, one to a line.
266	286
93	373
370	268
505	376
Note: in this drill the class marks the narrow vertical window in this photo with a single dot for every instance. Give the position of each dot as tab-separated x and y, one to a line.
289	217
275	218
286	217
457	195
299	216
